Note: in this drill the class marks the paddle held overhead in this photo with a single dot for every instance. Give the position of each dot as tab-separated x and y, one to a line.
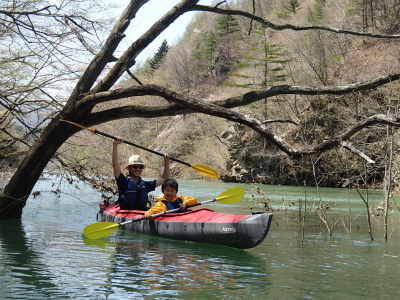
201	169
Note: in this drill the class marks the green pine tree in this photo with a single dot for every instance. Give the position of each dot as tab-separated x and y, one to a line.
268	58
316	15
206	51
159	56
213	52
289	9
210	47
225	29
226	25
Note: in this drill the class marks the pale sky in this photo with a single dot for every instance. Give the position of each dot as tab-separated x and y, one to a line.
147	15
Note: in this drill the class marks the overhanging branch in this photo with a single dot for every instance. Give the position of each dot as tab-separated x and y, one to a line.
248	98
290	26
183	104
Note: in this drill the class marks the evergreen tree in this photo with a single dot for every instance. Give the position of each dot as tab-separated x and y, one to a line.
159	56
205	53
210	47
289	9
214	50
274	63
268	61
316	15
226	25
225	28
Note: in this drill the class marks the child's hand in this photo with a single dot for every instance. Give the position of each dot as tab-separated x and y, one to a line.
148	216
182	207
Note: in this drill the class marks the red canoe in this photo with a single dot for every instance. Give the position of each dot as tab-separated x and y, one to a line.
197	225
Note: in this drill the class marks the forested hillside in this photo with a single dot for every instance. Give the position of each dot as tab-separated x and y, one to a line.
221	56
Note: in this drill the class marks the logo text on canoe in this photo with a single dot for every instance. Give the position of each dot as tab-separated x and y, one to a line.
228	229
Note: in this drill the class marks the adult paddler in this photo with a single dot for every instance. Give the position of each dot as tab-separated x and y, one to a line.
133	191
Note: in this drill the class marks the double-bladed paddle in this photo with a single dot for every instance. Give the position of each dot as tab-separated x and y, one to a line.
202	170
103	229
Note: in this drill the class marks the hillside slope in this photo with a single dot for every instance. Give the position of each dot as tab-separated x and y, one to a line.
218	58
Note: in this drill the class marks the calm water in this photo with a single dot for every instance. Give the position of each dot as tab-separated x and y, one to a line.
46	256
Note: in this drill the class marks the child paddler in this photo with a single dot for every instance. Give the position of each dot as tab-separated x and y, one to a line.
169	199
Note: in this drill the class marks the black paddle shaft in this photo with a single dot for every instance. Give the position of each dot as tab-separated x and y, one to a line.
141	147
165	212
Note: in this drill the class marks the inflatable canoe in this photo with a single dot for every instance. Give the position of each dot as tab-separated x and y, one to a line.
197	225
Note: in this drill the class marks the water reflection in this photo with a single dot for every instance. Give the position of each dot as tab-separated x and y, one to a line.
23	274
150	266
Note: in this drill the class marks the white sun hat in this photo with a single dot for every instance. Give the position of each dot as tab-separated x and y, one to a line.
135	160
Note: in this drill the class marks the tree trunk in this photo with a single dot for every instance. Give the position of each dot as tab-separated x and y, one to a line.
24	179
17	191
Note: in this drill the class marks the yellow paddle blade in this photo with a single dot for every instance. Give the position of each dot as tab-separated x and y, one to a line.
100	229
205	171
231	196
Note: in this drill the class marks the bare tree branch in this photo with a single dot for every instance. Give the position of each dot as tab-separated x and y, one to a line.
245	99
357	152
289	26
127	59
220	109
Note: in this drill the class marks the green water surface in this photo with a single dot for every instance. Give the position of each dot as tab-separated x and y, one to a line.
46	256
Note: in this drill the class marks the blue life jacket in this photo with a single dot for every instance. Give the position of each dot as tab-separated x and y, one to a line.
174	204
130	198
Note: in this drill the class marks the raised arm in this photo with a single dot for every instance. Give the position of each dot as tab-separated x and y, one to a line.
115	160
165	174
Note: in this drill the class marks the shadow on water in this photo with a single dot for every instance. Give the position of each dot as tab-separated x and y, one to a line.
22	272
146	266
